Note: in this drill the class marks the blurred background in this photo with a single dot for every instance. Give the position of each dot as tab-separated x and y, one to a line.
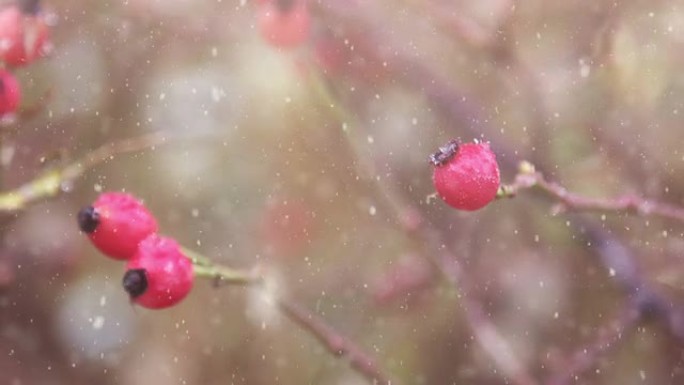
297	136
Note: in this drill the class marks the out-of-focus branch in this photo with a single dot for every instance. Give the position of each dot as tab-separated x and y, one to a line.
528	178
330	338
30	7
428	237
53	181
336	343
587	356
460	110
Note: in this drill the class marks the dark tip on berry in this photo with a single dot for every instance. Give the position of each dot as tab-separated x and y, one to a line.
88	219
445	153
135	282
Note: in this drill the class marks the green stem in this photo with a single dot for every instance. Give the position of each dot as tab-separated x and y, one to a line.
225	274
196	258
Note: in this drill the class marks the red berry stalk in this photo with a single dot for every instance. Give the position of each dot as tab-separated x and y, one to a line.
466	176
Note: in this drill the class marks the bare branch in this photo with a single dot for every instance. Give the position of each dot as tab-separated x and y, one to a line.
529	178
588	355
52	182
334	342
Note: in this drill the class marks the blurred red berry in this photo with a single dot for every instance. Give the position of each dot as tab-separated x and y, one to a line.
466	176
116	223
286	227
10	93
284	23
23	36
158	275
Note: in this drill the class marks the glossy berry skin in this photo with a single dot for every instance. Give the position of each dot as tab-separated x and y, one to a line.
116	223
158	275
24	37
10	93
466	176
284	23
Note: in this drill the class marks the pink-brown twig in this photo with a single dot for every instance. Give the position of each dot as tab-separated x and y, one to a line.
336	343
573	201
587	356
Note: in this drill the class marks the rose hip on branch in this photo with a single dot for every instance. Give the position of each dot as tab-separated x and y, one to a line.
159	275
466	175
116	223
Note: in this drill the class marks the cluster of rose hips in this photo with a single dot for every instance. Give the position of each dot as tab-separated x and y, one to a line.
158	274
23	39
466	175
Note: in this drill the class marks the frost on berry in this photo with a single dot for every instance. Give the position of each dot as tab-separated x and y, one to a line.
466	176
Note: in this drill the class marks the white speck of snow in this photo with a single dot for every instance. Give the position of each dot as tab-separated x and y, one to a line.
611	272
585	68
372	210
371	140
103	300
98	322
217	94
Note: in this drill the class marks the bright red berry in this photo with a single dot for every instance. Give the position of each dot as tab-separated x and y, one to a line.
284	23
158	275
23	36
466	176
116	223
10	93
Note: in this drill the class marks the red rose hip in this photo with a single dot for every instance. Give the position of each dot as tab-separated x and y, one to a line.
158	275
284	23
466	176
116	223
23	35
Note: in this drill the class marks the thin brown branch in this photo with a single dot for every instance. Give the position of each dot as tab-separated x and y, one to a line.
528	178
336	343
53	181
588	355
332	340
